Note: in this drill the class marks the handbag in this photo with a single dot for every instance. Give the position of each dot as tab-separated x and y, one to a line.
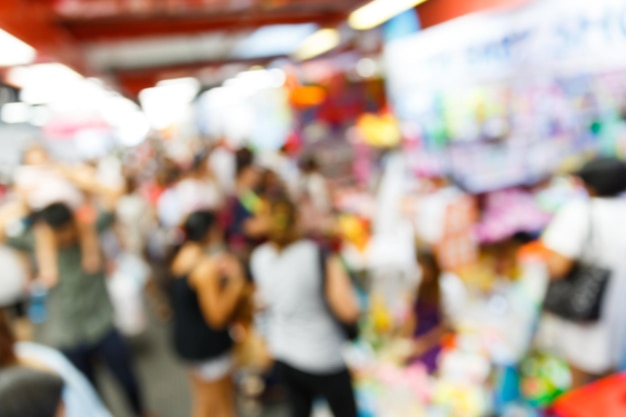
579	296
349	330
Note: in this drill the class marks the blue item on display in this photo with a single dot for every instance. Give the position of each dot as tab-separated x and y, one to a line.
507	388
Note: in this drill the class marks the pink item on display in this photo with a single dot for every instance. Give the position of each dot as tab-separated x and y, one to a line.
508	212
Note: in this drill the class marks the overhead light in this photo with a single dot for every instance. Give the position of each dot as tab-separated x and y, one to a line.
274	40
191	82
319	43
15	113
167	103
45	83
377	12
15	51
366	68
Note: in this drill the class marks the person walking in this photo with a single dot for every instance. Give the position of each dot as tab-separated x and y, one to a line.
592	230
79	314
304	300
207	287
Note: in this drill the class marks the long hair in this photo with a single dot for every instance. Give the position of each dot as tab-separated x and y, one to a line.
7	343
430	290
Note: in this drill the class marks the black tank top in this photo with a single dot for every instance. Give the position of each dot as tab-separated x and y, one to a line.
194	340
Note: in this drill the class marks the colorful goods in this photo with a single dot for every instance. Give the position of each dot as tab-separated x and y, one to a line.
544	379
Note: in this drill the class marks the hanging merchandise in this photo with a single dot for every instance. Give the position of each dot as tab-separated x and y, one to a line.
510	96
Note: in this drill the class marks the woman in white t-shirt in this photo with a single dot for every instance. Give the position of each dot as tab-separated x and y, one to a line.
592	348
303	335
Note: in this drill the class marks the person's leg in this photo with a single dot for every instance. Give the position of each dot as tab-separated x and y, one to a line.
337	389
117	358
82	359
299	390
212	398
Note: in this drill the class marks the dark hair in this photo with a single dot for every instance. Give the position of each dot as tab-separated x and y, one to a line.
56	215
7	343
198	225
606	176
26	392
309	164
429	291
244	158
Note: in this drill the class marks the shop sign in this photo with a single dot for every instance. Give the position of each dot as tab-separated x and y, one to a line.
548	37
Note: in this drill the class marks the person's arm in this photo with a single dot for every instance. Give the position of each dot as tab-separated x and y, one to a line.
13	229
46	254
218	302
558	265
565	238
430	340
84	178
256	227
340	293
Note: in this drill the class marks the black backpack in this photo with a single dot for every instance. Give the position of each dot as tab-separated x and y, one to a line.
350	330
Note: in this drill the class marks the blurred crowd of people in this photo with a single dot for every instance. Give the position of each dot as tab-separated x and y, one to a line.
238	253
213	244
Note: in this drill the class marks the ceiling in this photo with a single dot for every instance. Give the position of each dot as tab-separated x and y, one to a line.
134	43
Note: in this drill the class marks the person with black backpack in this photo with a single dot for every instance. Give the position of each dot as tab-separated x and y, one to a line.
310	303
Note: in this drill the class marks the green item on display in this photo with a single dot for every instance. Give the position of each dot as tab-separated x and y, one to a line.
544	378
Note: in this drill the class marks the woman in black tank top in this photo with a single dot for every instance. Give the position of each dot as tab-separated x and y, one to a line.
206	291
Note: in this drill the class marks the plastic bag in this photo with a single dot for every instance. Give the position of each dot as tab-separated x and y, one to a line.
13	280
126	287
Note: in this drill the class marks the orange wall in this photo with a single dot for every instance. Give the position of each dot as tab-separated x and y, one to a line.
434	12
33	22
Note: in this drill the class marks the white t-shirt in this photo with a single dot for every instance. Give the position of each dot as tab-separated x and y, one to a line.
301	331
594	347
223	165
184	198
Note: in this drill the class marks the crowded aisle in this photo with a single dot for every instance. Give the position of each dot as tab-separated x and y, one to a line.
340	208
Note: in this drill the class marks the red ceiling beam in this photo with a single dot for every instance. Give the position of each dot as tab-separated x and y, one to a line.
126	27
33	22
434	12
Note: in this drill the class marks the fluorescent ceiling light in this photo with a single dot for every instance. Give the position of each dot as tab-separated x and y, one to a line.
14	51
319	43
165	105
377	12
45	83
191	82
273	40
259	79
